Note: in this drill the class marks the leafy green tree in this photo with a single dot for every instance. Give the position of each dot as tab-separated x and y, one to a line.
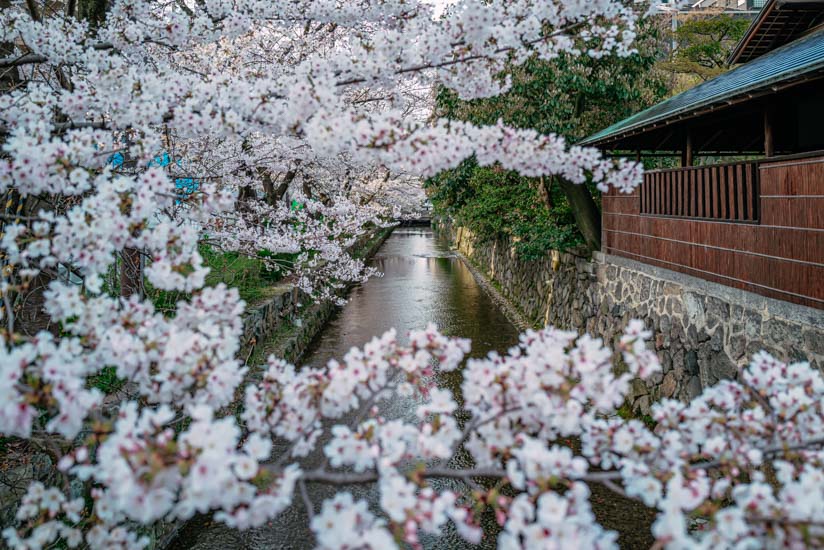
703	44
495	202
565	96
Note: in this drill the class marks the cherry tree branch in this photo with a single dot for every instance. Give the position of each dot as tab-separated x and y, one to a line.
354	478
469	58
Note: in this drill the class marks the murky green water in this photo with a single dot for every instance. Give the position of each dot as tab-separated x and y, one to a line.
423	282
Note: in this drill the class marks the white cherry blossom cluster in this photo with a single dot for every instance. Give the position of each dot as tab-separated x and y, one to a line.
53	515
710	455
185	89
317	238
241	94
186	359
704	458
156	76
555	520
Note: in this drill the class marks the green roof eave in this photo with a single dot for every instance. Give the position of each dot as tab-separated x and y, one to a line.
785	64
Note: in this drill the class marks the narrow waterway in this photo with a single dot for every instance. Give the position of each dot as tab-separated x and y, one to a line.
422	282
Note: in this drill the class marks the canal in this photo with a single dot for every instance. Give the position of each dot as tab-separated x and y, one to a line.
422	282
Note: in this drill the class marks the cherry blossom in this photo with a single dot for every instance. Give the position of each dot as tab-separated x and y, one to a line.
285	119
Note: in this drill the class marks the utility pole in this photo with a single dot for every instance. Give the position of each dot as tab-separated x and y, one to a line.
674	29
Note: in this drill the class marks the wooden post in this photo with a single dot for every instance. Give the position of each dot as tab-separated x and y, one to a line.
686	154
769	144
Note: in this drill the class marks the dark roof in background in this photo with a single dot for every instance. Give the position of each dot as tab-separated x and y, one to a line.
784	66
779	23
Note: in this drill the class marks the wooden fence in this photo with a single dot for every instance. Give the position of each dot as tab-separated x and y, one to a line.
757	226
727	192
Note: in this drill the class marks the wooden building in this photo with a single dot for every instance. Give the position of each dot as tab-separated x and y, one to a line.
755	224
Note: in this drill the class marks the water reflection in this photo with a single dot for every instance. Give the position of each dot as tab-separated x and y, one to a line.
423	282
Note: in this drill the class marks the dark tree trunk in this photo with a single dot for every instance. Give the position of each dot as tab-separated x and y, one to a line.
94	11
545	191
307	188
10	76
586	212
131	273
246	193
580	199
275	194
30	315
280	190
27	304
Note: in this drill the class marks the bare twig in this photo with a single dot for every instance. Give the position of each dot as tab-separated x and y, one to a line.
769	452
614	487
9	312
63	126
310	509
477	57
355	478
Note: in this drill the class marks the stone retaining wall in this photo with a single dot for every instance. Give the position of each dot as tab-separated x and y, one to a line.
287	322
262	320
703	331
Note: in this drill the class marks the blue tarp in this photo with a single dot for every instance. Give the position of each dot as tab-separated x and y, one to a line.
183	186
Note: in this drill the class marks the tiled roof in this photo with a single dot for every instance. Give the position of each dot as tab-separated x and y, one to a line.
796	60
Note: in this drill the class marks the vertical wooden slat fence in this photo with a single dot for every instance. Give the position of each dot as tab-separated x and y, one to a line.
756	225
727	192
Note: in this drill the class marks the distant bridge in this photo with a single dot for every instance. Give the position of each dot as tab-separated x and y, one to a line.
417	222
